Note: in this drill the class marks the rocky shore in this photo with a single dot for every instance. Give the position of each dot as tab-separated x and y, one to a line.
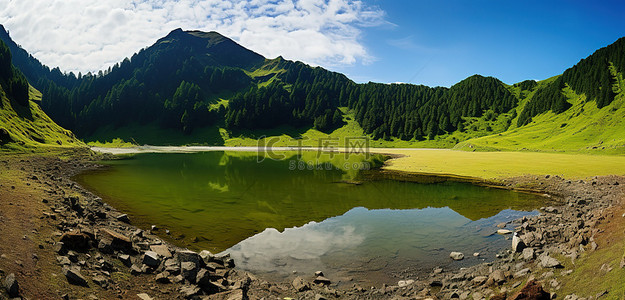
59	241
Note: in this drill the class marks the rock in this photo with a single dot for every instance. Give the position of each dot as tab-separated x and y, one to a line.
501	225
190	291
63	260
203	280
144	296
117	240
322	280
74	276
528	253
188	256
163	277
522	273
206	256
517	243
479	280
125	259
123	218
151	259
300	285
404	283
11	285
532	290
318	273
100	280
76	240
172	266
456	255
547	261
237	294
476	254
497	277
189	271
60	248
135	270
161	250
503	231
320	297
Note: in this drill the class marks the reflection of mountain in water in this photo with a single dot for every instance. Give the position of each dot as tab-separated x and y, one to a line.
224	198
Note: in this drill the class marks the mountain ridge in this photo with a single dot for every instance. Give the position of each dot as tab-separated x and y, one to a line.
194	79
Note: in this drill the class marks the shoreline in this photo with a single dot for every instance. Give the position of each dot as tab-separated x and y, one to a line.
53	176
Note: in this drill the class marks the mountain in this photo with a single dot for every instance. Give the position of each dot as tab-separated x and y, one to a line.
192	82
23	125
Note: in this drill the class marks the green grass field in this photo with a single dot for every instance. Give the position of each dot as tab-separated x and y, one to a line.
30	128
497	165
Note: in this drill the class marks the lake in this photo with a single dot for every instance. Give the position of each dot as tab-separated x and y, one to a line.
295	213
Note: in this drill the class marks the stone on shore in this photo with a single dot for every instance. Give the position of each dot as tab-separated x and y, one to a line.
189	271
11	285
517	243
123	218
151	259
547	261
74	276
504	231
456	255
528	253
76	240
300	285
322	280
532	290
161	250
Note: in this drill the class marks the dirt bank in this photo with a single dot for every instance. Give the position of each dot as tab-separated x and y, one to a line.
104	256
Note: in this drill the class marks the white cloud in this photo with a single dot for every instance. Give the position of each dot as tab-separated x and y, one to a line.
90	35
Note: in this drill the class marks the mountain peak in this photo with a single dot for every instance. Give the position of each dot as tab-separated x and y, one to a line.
220	50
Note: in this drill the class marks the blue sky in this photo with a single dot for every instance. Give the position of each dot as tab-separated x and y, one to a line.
431	42
442	42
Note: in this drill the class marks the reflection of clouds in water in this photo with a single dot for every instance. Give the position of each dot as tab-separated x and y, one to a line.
298	248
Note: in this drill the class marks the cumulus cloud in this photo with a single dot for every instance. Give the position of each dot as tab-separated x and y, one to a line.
90	35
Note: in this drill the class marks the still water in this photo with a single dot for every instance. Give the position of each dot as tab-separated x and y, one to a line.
308	212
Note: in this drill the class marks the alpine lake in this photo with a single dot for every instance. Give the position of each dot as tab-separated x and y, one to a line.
291	213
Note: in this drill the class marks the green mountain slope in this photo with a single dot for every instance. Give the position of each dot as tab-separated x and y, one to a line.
194	87
23	125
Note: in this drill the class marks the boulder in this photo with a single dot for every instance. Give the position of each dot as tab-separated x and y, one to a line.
207	256
547	261
517	243
161	250
522	272
503	231
100	280
74	276
151	259
172	266
125	259
11	285
189	270
322	280
204	281
532	290
456	255
117	240
123	218
76	240
528	253
144	296
163	277
479	280
188	256
190	291
498	277
300	285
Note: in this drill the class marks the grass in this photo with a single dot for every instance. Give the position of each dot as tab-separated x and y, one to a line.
496	165
583	128
31	130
